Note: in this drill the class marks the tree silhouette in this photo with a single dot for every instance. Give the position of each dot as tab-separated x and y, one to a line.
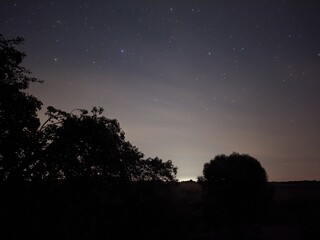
68	145
234	168
85	145
236	188
91	145
18	114
154	169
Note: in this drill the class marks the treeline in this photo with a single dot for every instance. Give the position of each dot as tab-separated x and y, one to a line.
78	144
75	176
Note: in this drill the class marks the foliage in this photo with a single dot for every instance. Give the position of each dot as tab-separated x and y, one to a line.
85	145
91	145
236	188
154	169
71	145
18	113
234	168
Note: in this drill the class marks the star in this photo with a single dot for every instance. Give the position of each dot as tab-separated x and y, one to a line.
181	58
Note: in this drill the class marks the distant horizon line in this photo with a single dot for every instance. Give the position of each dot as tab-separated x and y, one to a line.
272	181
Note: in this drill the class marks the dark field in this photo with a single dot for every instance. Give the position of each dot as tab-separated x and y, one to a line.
94	210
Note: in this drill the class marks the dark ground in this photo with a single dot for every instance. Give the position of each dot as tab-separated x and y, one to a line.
95	210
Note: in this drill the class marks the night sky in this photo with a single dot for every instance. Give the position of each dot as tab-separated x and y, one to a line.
187	80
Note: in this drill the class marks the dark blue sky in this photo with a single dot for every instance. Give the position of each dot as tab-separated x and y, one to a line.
186	79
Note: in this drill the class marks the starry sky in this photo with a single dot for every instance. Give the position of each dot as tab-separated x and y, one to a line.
187	80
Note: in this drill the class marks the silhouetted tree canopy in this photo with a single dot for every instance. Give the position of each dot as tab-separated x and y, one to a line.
91	145
86	145
234	168
18	113
67	145
236	187
154	169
